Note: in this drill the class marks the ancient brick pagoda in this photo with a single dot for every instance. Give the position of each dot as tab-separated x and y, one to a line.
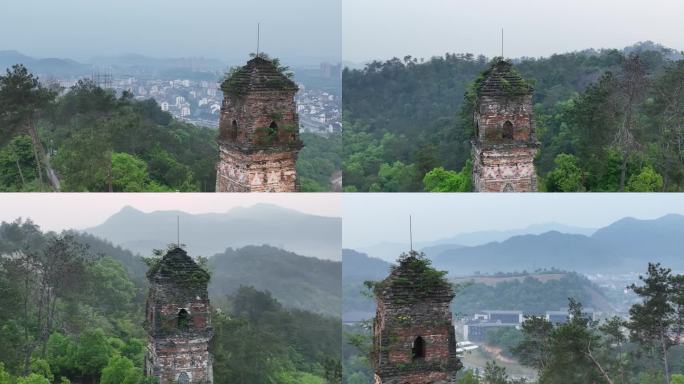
413	336
178	321
505	145
258	131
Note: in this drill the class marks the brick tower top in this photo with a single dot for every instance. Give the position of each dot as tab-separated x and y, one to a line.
413	281
503	107
178	302
413	336
259	75
259	111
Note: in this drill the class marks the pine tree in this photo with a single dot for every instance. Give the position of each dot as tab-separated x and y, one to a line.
658	320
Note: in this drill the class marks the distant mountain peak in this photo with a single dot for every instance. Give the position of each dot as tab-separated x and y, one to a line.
127	209
261	209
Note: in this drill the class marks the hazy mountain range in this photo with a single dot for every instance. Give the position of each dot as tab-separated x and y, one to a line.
46	66
132	64
626	245
209	234
390	251
296	281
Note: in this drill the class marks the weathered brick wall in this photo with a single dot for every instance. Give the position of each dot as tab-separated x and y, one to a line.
504	164
504	168
175	355
418	378
250	160
398	330
492	112
257	110
263	171
405	312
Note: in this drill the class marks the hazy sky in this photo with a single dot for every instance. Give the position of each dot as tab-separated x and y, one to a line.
82	210
375	218
381	29
220	29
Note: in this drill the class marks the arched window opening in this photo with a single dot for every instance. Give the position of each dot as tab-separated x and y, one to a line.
183	319
508	130
418	348
508	188
273	129
234	130
183	378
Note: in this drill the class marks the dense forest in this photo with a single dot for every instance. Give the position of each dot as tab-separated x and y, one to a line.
73	311
607	120
298	282
89	139
532	294
645	347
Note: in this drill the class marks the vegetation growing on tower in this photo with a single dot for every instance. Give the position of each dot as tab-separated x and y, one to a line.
272	75
414	274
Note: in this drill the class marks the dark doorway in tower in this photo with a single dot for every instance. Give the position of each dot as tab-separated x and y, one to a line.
273	129
183	319
183	378
234	130
508	130
418	349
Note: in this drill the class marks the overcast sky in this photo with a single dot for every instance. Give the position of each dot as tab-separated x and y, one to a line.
57	211
375	218
381	29
80	29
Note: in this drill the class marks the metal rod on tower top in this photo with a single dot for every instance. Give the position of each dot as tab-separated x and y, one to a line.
178	231
258	37
502	41
411	232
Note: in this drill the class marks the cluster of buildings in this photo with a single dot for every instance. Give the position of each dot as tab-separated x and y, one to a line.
199	101
319	111
475	328
194	101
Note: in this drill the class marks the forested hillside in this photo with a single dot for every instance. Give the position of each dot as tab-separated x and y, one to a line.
607	120
532	293
73	310
89	139
304	283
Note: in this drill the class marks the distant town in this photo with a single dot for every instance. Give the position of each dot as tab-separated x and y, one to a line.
199	101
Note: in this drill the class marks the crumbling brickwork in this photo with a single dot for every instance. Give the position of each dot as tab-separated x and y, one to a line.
258	131
505	144
413	335
178	321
